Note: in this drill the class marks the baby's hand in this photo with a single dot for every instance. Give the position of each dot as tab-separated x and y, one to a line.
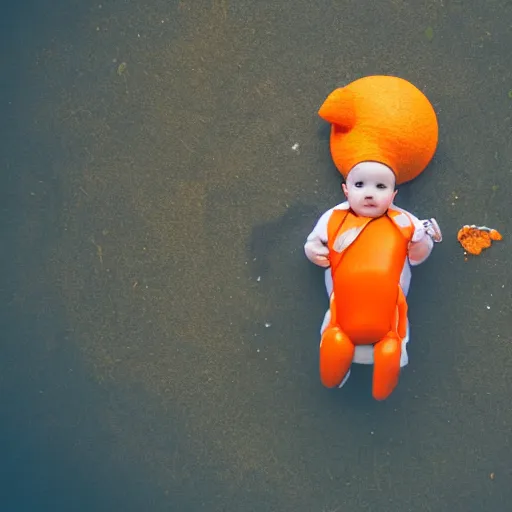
317	252
432	229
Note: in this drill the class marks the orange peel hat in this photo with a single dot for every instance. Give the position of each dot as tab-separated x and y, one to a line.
382	119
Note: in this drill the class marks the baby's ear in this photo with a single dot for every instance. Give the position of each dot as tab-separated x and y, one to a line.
344	189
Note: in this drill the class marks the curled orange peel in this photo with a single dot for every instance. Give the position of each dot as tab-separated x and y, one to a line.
474	239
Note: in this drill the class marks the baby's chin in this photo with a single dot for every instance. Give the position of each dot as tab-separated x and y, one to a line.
370	211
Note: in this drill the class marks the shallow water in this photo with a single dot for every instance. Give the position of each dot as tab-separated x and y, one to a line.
162	165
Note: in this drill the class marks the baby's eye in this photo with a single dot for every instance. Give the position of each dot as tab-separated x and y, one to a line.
381	186
359	184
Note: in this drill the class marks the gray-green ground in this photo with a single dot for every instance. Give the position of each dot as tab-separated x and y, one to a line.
159	318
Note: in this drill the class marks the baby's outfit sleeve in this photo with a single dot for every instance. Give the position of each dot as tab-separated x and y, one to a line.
316	243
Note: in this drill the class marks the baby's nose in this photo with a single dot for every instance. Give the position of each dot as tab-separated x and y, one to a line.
368	196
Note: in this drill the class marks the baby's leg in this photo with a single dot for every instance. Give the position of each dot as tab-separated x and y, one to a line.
325	323
386	369
336	355
336	350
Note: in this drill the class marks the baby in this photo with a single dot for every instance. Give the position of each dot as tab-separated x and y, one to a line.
370	190
384	133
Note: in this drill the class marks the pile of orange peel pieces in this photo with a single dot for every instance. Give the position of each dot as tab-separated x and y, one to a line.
474	239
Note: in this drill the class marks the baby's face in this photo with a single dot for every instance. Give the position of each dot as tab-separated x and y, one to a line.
370	189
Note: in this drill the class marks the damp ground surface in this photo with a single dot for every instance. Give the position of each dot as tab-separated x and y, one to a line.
162	163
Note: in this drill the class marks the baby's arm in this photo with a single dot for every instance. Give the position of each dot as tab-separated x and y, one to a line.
316	244
420	250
